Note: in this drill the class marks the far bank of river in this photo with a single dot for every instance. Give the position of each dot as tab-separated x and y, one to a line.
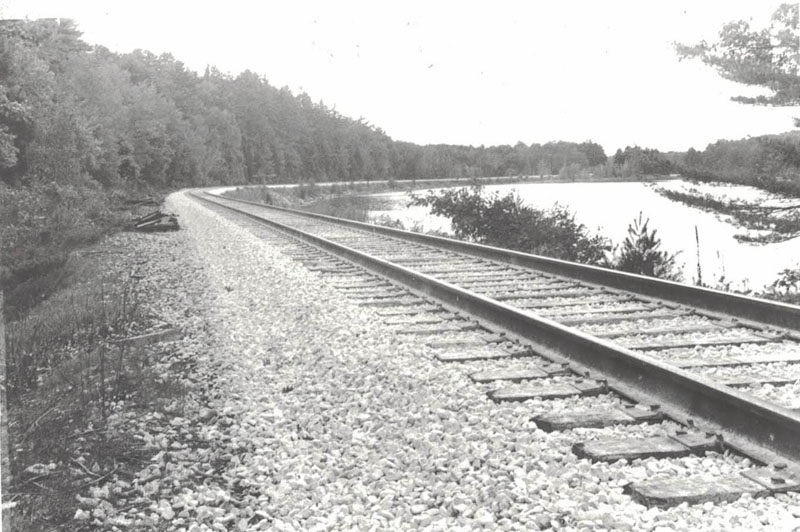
609	208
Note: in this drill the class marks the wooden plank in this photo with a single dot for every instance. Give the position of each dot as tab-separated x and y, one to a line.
332	269
693	490
397	302
778	479
627	316
423	321
598	417
547	391
556	315
595	418
721	361
471	353
749	380
456	343
529	294
661	330
616	448
464	268
369	290
447	328
361	286
387	294
410	311
680	344
574	302
735	361
528	283
768	358
529	391
515	375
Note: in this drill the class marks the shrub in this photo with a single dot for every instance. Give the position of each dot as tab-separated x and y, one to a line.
786	287
505	222
640	253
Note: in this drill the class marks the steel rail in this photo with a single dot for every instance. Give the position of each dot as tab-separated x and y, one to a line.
744	307
755	427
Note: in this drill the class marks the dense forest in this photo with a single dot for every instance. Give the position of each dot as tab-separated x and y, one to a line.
71	113
771	162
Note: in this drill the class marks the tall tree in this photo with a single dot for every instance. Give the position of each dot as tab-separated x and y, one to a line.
768	58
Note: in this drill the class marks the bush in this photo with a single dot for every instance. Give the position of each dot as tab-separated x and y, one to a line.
786	287
504	221
40	225
640	253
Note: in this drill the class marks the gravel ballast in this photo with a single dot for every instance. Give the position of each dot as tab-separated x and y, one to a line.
320	419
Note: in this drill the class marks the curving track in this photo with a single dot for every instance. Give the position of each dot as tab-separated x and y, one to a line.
721	369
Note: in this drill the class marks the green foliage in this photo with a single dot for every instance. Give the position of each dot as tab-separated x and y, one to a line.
40	225
505	222
771	162
642	161
641	253
767	58
786	287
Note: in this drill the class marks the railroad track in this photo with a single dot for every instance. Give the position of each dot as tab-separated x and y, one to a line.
686	371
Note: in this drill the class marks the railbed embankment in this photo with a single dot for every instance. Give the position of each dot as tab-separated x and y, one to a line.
338	424
294	409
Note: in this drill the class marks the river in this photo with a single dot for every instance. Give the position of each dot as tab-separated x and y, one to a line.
608	208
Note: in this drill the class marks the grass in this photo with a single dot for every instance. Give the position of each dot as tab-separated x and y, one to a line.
63	425
786	287
87	306
65	374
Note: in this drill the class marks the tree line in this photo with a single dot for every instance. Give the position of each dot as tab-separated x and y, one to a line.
71	113
771	162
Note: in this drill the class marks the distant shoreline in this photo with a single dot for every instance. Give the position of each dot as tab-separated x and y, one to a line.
387	185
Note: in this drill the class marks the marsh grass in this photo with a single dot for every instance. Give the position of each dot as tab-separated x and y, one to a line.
66	377
88	308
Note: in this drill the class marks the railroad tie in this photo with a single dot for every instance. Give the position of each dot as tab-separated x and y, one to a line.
537	370
756	481
527	391
599	417
612	449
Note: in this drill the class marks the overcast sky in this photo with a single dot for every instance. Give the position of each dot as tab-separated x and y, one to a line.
461	72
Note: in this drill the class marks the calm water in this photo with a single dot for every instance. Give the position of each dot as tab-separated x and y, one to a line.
608	208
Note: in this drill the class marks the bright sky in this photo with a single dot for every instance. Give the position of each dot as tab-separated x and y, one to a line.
461	72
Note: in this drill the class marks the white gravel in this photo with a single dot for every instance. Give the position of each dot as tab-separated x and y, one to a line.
764	371
322	421
723	352
787	395
686	338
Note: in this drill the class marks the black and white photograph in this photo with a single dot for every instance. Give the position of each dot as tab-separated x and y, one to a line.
448	266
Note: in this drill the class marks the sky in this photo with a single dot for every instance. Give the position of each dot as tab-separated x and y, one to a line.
462	72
